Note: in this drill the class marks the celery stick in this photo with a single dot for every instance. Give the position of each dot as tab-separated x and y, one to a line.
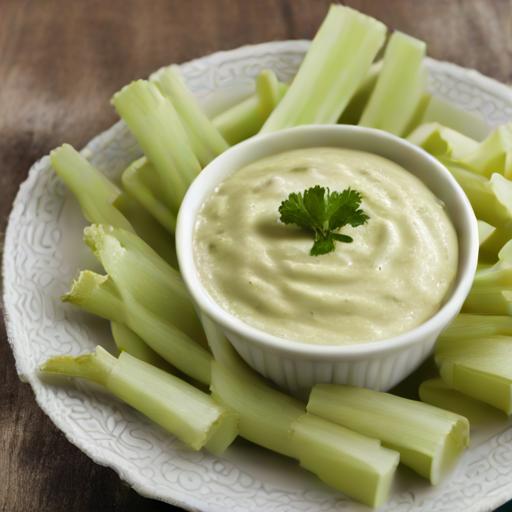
148	228
96	294
418	113
480	368
265	414
484	231
94	191
178	407
126	340
141	181
442	142
494	154
485	198
156	125
137	270
100	296
268	91
495	241
350	462
246	118
489	300
354	109
337	61
437	392
429	439
447	114
399	87
475	326
494	277
205	139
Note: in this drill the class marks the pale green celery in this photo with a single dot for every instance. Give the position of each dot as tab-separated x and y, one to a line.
448	115
148	228
485	230
354	109
437	392
475	326
418	114
497	276
494	154
336	63
400	85
347	461
429	439
127	341
181	409
99	295
486	198
141	181
138	271
479	367
204	137
442	142
489	300
245	119
94	191
350	462
265	414
156	125
495	242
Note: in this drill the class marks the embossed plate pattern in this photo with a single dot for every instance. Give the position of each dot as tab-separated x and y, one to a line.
43	252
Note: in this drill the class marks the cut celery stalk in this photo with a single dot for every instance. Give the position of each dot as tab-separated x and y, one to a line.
354	109
337	61
485	230
485	198
442	142
156	125
437	392
475	326
246	118
429	439
148	228
99	295
448	115
496	276
399	87
126	340
138	271
418	113
265	414
350	462
205	139
495	242
94	191
479	367
141	181
178	407
494	154
489	300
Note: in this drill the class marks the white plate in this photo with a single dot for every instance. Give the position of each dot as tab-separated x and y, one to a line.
43	252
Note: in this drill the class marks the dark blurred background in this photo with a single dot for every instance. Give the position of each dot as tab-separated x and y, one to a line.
61	61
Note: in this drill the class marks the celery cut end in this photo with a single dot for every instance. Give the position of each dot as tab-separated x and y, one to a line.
95	367
350	462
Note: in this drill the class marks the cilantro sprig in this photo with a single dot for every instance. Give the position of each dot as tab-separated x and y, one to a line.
323	213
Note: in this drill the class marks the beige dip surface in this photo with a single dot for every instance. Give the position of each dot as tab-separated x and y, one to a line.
390	279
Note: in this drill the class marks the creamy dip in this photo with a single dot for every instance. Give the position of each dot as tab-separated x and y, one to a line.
391	278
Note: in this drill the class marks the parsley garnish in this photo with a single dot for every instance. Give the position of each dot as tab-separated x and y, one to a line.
323	212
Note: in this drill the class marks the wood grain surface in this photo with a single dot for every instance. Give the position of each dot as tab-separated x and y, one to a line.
60	62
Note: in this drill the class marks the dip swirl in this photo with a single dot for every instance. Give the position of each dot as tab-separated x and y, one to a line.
391	278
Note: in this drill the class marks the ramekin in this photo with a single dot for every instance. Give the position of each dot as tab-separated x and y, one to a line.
295	365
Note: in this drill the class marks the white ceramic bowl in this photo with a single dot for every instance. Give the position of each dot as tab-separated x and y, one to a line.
297	366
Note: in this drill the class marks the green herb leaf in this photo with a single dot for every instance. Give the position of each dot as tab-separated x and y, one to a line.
322	212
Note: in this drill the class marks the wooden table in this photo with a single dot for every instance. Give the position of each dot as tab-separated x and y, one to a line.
60	62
